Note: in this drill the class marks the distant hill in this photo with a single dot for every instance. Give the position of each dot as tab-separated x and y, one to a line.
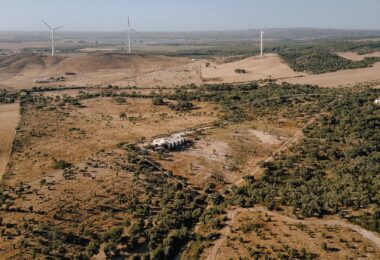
193	37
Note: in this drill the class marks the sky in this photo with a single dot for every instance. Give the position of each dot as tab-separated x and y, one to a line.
188	15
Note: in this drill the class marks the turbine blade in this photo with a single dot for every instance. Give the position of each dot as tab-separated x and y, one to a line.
58	28
47	24
129	23
133	30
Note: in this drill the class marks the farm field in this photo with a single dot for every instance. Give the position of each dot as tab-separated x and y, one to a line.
271	67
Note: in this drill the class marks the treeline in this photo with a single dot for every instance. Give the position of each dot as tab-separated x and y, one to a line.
334	169
7	97
247	101
321	61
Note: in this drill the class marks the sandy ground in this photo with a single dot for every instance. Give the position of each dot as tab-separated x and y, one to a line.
102	69
270	67
9	118
266	138
356	57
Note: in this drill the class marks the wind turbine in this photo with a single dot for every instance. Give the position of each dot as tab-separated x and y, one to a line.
262	41
129	30
52	30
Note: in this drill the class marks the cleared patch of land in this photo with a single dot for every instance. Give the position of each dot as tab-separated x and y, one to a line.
269	67
9	118
224	155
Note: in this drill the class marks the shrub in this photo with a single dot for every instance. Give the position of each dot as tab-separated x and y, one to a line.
61	164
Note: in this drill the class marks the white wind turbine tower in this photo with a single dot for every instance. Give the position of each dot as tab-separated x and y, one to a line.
129	31
52	30
262	42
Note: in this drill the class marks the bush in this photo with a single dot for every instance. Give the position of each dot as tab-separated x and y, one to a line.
240	71
61	164
158	101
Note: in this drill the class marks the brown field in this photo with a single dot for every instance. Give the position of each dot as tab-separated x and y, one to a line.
21	70
101	69
251	231
269	67
9	118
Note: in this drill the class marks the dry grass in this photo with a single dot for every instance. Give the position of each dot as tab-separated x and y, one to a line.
269	67
76	133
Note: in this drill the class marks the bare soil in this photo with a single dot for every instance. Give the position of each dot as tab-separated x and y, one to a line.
269	67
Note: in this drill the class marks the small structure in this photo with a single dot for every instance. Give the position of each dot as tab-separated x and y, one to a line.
172	142
377	102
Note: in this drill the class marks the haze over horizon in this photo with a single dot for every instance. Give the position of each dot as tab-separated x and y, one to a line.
171	15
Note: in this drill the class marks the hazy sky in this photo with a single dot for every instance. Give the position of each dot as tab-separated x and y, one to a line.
188	15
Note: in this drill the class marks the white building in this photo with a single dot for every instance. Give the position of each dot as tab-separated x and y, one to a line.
171	142
377	102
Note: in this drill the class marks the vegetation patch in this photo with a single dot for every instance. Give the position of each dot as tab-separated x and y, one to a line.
320	61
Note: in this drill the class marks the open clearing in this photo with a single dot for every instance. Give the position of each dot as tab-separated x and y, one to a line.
269	67
9	118
224	155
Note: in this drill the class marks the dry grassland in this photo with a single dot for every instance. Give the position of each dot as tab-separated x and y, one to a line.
76	133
